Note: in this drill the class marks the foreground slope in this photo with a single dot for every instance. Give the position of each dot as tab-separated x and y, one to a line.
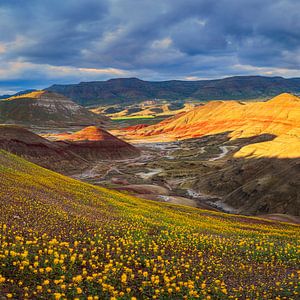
46	108
62	238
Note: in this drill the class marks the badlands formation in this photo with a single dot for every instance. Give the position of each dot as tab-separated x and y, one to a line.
233	156
257	170
279	117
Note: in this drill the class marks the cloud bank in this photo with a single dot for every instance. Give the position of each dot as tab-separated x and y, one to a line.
54	41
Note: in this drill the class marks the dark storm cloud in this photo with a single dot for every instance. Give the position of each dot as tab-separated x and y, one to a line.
95	39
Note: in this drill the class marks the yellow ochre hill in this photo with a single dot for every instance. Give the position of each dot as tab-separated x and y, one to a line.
65	239
279	117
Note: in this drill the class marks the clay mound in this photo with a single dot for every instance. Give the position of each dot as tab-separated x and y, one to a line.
46	108
94	143
90	133
36	149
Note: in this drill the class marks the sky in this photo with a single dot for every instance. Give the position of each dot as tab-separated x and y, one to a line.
43	42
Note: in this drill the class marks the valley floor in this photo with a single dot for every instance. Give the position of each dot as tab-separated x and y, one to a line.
160	173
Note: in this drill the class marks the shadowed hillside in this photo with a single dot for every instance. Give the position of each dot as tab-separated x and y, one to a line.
256	186
31	146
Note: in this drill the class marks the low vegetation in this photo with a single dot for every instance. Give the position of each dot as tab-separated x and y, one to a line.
64	239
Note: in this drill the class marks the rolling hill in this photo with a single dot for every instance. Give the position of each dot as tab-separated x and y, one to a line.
279	116
129	90
42	108
143	109
61	238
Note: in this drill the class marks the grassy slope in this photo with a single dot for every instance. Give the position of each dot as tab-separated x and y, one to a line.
65	238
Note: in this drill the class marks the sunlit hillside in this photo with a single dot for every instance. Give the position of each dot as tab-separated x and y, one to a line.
30	95
279	116
62	238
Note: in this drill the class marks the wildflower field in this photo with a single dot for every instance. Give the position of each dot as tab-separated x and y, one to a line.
64	239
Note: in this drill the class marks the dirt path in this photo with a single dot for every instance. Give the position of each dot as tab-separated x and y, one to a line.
150	174
225	150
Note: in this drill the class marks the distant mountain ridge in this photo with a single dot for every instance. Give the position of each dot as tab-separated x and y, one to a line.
129	90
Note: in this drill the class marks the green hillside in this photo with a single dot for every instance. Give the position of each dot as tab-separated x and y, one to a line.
64	239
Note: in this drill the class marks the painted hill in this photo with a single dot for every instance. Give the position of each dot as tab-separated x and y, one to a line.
279	116
128	90
95	143
46	108
34	148
71	154
62	238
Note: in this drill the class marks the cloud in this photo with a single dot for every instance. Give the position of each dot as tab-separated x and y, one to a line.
98	39
12	70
